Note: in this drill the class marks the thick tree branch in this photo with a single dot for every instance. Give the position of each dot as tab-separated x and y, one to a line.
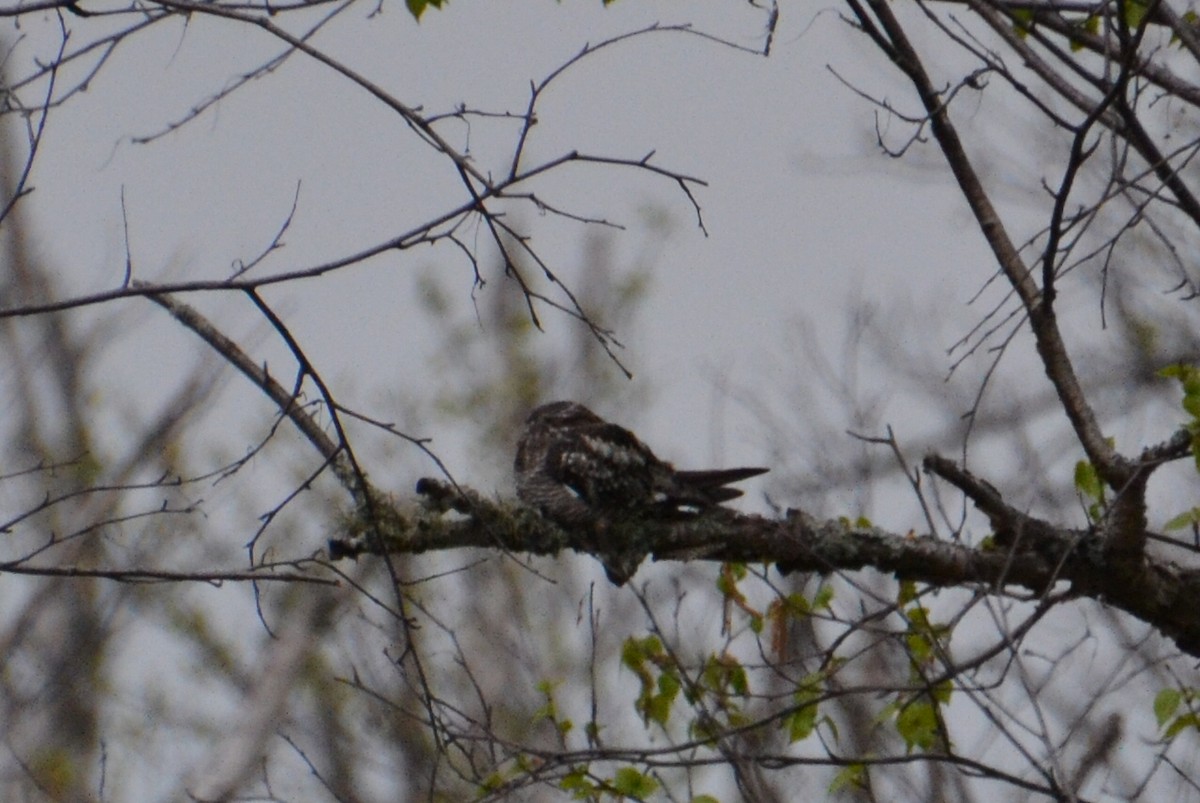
1163	595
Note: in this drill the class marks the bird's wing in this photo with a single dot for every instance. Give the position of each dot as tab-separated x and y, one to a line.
605	464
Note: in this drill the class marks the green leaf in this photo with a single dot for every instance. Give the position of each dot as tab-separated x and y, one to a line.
1185	519
919	647
738	680
635	652
417	7
1087	481
669	685
705	799
1191	405
917	724
1173	371
823	598
578	784
722	674
1180	724
1166	702
726	584
923	636
852	776
805	717
797	605
1135	12
657	707
631	783
647	659
1189	379
1022	21
802	723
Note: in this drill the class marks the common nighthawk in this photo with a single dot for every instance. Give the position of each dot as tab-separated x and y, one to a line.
580	470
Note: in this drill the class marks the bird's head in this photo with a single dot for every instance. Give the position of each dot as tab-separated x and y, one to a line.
562	414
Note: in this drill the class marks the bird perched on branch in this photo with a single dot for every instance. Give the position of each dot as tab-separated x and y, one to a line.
582	471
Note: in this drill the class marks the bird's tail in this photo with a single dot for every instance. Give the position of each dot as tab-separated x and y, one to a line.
712	483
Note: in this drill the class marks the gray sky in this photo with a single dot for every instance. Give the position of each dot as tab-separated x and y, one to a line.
803	212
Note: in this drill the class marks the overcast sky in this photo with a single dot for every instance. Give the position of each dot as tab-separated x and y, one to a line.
804	214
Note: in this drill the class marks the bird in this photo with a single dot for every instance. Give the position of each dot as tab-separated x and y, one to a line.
581	471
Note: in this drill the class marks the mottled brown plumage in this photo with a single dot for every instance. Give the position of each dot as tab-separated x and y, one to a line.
581	471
